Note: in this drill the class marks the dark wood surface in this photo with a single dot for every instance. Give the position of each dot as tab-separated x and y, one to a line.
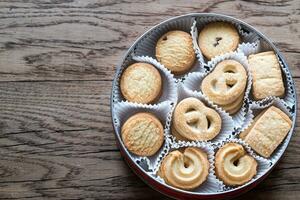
57	62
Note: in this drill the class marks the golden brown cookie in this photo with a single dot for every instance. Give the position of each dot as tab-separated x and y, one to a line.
235	106
143	134
175	51
236	109
266	73
245	132
267	131
194	121
177	135
226	83
217	38
141	83
186	170
234	166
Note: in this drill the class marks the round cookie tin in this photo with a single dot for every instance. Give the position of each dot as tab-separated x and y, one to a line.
178	87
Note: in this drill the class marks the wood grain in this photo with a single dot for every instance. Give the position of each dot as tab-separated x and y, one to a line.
57	62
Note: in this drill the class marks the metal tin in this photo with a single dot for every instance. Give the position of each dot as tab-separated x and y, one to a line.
166	189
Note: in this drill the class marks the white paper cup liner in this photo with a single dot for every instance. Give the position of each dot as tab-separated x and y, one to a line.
146	47
116	92
262	164
248	48
212	184
262	46
227	122
195	35
193	80
197	67
200	22
124	110
290	96
256	108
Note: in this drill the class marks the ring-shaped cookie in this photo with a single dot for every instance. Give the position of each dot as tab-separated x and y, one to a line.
234	166
186	170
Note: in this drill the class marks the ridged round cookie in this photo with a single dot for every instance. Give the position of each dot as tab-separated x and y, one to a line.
186	170
141	83
217	38
233	165
175	51
143	134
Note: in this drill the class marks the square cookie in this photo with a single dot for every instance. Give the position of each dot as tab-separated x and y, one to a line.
267	131
267	77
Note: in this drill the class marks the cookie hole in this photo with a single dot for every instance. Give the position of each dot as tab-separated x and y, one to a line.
186	162
229	85
214	84
191	110
165	38
230	82
217	41
208	123
230	71
186	165
236	162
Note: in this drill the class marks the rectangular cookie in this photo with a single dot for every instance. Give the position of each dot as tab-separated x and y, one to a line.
267	131
266	73
243	134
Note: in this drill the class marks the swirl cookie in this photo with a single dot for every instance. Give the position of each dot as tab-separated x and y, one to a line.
226	85
186	170
175	51
217	38
143	134
141	83
234	166
267	78
267	131
194	121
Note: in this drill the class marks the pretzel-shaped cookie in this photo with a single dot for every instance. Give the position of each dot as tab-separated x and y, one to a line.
233	166
225	83
194	121
185	170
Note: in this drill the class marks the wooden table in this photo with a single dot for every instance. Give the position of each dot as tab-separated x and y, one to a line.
57	62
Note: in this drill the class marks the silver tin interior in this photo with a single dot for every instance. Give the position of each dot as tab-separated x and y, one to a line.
194	15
